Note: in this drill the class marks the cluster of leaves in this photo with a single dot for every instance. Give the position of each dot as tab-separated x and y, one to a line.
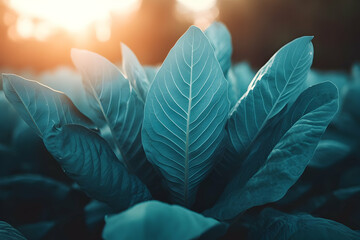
195	148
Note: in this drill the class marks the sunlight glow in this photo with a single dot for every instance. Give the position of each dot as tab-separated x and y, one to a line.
72	15
198	5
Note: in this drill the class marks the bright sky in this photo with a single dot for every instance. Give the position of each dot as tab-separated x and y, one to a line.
40	18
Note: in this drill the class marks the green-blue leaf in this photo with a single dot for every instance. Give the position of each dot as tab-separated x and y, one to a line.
239	77
88	159
329	152
266	178
220	39
134	72
276	84
40	106
272	224
161	221
185	114
116	108
7	232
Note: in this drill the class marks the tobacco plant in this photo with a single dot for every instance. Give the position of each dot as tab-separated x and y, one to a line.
184	150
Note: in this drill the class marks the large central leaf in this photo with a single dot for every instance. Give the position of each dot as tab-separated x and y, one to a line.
185	114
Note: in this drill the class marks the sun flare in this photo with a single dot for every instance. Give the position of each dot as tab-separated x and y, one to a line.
37	18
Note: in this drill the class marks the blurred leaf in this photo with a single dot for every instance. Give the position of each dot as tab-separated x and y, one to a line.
134	72
273	224
239	77
220	40
157	220
8	119
32	198
7	232
329	152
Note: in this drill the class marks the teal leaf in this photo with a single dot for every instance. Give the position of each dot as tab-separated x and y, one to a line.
88	159
40	106
239	77
134	72
266	178
8	119
329	152
220	39
161	221
150	72
185	114
68	81
116	109
272	224
7	232
275	85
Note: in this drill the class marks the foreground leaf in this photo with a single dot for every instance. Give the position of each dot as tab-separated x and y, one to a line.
40	106
276	84
157	220
220	39
115	107
88	159
266	178
185	114
135	72
273	225
7	232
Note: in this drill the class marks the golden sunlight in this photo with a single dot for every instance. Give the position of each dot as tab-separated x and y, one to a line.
39	18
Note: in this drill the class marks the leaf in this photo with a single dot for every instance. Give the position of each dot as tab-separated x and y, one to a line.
7	232
273	224
8	119
185	114
239	77
157	220
329	152
220	39
151	72
88	159
135	72
40	106
66	80
267	177
115	107
276	84
36	196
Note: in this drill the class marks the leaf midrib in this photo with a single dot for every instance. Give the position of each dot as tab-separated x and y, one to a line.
245	152
117	145
186	174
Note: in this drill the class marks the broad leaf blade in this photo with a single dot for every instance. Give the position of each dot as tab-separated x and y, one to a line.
7	232
157	220
116	107
276	84
40	106
220	39
272	224
185	114
135	72
88	159
267	178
